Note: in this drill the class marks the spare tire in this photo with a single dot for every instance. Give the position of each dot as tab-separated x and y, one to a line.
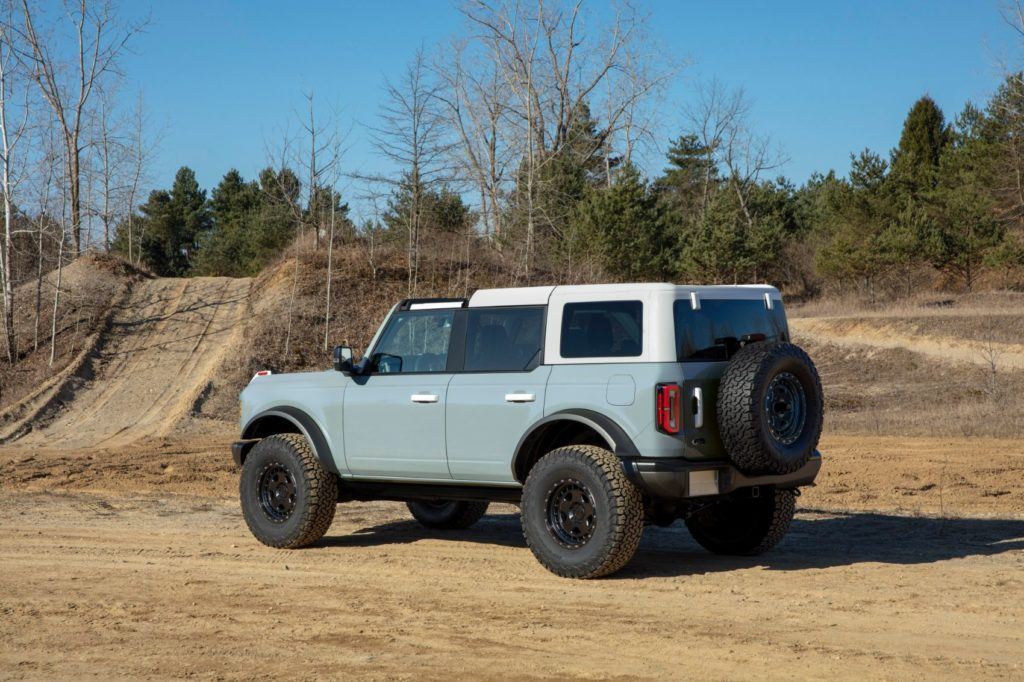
770	408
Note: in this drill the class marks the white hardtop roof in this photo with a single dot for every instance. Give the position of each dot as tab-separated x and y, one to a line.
541	295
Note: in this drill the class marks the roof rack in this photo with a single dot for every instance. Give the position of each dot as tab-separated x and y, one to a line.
429	303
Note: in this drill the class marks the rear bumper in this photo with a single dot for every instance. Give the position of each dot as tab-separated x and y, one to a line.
677	479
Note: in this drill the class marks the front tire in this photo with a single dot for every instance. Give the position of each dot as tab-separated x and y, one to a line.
447	514
288	498
743	526
582	518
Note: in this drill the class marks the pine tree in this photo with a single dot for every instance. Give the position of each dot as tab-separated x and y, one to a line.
915	161
176	222
626	226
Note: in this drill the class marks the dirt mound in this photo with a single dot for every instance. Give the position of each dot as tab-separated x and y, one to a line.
153	363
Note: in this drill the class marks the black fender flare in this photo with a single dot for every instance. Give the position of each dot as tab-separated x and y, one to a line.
303	423
614	435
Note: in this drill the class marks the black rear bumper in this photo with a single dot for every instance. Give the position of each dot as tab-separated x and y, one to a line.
670	479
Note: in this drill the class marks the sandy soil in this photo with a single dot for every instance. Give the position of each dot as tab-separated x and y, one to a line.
123	553
165	343
135	561
1007	356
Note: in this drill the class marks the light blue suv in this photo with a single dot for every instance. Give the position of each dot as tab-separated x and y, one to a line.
598	409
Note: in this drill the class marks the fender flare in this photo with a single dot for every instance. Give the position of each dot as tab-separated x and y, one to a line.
305	425
614	435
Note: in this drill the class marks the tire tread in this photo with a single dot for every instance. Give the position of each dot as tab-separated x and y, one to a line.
624	538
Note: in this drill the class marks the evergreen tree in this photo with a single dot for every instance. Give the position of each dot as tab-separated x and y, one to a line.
175	223
963	227
685	185
626	226
230	246
915	161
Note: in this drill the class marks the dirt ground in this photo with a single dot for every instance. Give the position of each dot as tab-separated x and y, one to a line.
136	562
123	552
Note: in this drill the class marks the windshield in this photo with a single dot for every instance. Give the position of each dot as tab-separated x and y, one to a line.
708	334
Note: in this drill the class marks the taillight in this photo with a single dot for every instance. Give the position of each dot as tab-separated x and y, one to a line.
667	408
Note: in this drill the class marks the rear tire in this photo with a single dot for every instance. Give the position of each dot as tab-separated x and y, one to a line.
447	514
288	498
744	526
581	516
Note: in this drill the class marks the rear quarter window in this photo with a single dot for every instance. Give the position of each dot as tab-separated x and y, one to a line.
706	334
602	329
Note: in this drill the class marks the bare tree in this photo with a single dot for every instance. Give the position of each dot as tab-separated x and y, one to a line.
321	162
139	156
413	136
110	150
474	102
69	88
10	135
49	162
555	71
60	268
336	154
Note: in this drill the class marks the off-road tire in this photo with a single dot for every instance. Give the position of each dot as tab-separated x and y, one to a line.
743	526
447	514
617	512
315	492
742	419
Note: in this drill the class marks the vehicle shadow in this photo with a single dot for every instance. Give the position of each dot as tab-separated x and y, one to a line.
817	539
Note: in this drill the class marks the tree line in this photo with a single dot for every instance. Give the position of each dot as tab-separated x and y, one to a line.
530	137
946	201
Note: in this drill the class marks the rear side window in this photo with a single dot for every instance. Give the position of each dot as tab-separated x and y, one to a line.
604	329
503	339
709	332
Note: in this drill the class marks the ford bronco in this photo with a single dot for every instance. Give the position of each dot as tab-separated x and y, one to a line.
597	409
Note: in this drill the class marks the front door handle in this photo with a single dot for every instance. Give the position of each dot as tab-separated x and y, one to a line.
520	397
424	398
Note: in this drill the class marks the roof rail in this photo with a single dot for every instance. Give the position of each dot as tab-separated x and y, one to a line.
428	303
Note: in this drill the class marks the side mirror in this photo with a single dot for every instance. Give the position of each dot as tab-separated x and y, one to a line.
343	358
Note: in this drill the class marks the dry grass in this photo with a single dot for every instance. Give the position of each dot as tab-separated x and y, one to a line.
955	370
285	326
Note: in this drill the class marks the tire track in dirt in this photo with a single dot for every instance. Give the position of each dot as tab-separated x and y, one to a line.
943	348
165	344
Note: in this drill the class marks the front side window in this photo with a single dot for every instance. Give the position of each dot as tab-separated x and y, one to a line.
503	339
608	329
708	333
414	341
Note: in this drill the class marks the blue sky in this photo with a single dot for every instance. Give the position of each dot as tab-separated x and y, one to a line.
826	78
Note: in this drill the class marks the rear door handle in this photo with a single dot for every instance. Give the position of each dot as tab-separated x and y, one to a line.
520	397
424	398
698	408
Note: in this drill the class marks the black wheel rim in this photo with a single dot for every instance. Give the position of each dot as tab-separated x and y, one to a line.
277	493
571	515
785	408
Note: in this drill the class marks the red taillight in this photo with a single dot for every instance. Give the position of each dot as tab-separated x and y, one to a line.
667	408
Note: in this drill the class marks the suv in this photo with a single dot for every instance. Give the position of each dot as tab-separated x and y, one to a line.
597	409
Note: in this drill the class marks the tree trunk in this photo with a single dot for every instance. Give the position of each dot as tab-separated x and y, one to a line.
39	290
74	189
330	270
56	300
